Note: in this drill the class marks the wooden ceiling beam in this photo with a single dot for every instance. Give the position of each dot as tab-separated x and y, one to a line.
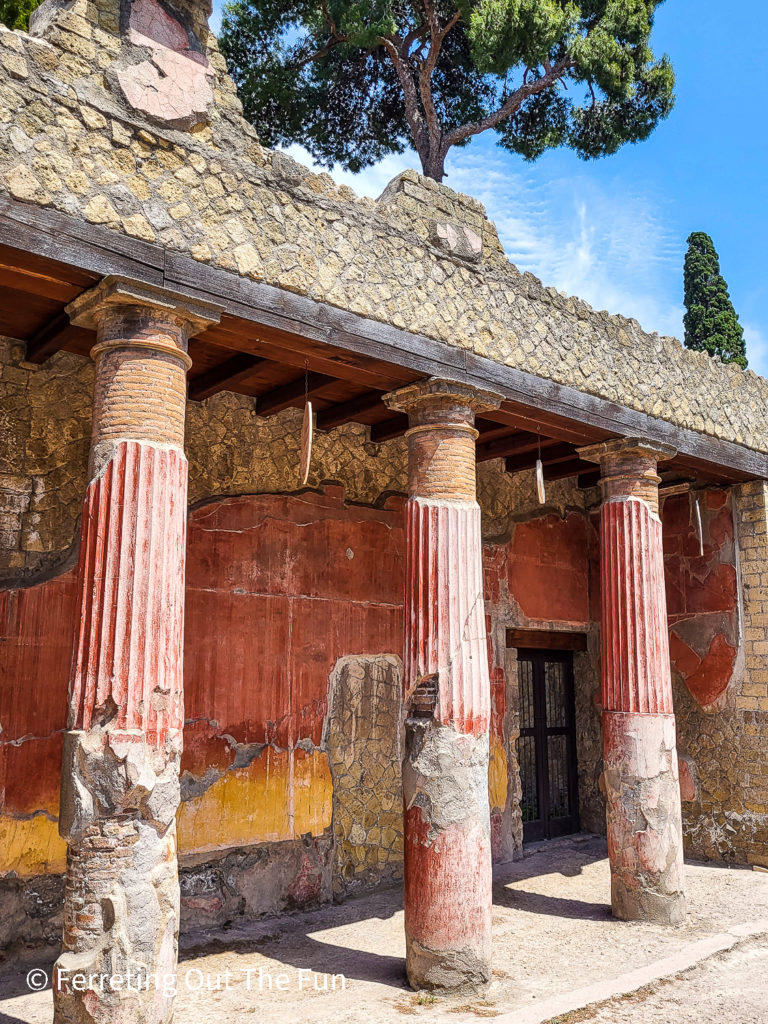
288	394
571	467
515	444
541	423
490	431
234	334
395	426
224	376
347	412
49	339
550	456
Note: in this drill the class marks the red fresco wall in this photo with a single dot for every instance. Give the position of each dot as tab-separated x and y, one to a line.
278	588
36	630
702	593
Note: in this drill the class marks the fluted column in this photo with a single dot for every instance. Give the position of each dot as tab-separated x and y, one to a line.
640	770
447	691
120	787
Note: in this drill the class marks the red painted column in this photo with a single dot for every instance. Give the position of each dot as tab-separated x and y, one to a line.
119	786
447	691
640	770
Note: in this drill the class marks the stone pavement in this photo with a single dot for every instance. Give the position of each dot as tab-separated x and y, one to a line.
556	951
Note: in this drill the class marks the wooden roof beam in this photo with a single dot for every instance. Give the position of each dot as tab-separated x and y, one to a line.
49	339
573	467
549	457
288	394
34	232
224	376
347	412
395	426
515	444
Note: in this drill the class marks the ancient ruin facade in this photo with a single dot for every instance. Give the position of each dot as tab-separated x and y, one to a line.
227	694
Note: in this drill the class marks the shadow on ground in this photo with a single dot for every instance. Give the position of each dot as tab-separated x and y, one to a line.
290	940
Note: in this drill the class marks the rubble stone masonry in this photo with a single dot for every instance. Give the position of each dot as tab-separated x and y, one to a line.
422	257
724	745
79	134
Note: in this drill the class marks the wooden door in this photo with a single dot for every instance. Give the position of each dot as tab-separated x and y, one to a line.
547	744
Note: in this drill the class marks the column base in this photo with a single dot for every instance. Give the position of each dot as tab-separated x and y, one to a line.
454	970
447	858
120	927
643	814
121	906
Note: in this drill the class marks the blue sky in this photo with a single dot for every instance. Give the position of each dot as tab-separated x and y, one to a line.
613	231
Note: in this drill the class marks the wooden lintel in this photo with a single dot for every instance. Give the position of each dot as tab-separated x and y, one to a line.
395	426
289	394
48	339
537	404
347	412
232	371
547	639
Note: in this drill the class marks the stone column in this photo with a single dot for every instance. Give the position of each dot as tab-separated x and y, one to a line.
447	691
640	771
119	785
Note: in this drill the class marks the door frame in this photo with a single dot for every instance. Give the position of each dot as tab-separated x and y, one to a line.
545	827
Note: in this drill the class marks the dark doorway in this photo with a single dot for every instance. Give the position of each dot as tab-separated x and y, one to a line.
547	745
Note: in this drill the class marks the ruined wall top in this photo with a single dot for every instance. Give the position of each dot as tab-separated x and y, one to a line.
121	113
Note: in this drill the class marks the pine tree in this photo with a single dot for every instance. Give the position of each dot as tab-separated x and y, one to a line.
354	80
711	323
14	14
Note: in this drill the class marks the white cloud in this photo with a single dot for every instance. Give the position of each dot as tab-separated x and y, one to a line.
608	245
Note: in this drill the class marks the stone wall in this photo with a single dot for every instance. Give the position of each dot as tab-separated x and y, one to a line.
725	741
45	425
363	738
79	134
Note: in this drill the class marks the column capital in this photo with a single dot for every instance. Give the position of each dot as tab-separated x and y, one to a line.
619	447
628	467
442	401
116	295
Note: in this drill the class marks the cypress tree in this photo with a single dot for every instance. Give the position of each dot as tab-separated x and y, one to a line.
711	324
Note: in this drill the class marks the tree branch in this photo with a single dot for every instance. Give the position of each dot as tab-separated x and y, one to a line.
512	103
336	37
413	35
426	67
412	112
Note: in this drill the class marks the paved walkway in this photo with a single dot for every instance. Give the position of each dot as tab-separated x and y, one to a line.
556	951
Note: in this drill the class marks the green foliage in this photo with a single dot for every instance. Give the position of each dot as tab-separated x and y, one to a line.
354	80
711	323
14	14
